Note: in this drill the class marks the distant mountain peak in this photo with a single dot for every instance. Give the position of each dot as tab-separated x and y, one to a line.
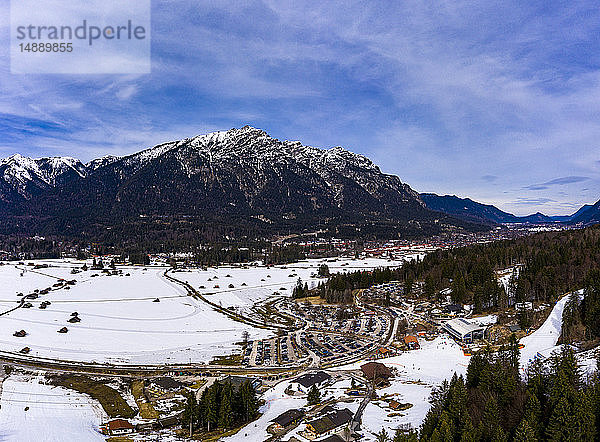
23	174
466	208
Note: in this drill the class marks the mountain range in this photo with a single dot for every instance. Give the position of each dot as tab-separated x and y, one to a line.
239	182
235	183
466	208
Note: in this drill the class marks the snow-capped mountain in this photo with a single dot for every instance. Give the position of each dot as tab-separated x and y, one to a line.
27	176
246	171
101	162
227	175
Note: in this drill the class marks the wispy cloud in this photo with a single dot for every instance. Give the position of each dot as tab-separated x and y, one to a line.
557	181
489	178
533	201
469	98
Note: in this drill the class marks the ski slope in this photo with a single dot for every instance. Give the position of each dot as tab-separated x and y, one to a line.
544	339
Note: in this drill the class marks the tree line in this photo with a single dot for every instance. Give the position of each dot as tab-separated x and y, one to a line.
581	314
549	265
555	402
221	407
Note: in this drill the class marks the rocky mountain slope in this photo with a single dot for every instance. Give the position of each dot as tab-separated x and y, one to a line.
219	178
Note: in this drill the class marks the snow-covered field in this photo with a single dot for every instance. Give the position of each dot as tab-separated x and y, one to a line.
261	282
418	372
121	324
54	414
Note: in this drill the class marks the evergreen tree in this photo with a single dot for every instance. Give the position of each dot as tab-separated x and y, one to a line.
402	436
459	290
248	401
525	433
382	436
189	417
314	395
226	408
212	405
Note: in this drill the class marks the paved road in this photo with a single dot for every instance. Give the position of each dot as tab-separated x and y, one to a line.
208	383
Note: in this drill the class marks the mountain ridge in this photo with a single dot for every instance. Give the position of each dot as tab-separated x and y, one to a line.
467	208
221	178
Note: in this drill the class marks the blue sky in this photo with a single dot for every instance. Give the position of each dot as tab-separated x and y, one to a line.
497	102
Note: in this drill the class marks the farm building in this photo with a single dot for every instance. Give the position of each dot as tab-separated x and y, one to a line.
394	405
74	319
464	331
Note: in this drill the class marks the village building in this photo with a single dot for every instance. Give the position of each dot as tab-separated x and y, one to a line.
169	421
383	352
117	427
167	384
306	381
237	381
453	309
411	342
331	423
287	418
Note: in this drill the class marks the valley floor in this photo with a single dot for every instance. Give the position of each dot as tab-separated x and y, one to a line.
138	316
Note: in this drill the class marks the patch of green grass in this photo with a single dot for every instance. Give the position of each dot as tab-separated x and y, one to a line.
147	411
109	398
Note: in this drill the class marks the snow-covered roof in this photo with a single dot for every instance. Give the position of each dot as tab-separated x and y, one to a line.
461	327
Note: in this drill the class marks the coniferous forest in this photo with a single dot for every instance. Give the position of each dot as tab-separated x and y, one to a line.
549	265
553	401
221	406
